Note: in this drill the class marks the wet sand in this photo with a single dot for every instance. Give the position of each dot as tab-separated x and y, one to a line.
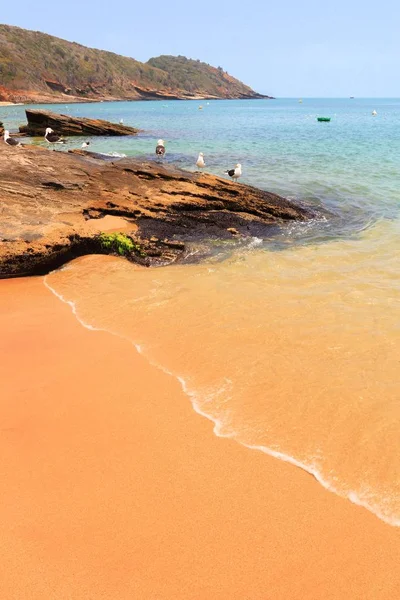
114	488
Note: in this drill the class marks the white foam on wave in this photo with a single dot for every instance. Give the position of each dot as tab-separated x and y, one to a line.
255	241
115	154
219	426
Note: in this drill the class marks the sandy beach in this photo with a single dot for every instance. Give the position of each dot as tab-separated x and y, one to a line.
114	488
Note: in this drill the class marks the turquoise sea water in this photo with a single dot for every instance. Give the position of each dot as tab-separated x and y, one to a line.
350	165
294	352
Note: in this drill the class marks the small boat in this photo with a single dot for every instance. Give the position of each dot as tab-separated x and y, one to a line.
326	119
300	101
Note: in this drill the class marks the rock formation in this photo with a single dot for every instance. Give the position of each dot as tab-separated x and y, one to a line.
39	120
54	204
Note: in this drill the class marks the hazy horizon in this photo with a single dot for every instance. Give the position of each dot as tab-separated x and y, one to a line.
286	51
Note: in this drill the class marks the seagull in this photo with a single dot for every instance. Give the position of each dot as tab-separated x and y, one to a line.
236	172
200	161
374	113
9	140
121	121
160	148
85	144
53	138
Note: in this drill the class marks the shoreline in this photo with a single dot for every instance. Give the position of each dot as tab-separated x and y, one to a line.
74	100
124	491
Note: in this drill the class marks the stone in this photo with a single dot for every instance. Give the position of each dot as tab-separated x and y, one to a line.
39	120
49	200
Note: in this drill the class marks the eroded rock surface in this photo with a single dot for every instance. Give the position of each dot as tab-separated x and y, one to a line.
39	120
52	206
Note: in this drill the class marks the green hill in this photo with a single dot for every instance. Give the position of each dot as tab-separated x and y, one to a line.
37	67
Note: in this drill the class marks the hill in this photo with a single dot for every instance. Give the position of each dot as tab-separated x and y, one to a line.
37	67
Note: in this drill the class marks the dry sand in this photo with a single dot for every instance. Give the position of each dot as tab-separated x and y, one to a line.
114	488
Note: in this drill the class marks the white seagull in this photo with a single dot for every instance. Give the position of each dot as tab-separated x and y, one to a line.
374	113
9	140
121	121
236	172
160	148
53	138
200	161
85	144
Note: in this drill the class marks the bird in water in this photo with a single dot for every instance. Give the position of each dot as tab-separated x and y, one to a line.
9	140
160	148
85	144
236	172
53	138
374	113
200	164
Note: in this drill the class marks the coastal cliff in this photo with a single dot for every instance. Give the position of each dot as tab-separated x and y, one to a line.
55	205
36	67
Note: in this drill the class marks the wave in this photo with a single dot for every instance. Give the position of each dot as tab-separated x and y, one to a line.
219	426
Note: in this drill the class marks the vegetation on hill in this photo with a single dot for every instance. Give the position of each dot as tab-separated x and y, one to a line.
200	78
36	65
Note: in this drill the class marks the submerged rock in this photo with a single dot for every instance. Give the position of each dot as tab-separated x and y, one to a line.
39	120
54	204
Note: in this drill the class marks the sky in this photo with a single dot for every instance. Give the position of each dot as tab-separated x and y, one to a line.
286	48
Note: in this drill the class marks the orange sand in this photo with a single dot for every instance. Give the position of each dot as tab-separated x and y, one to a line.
114	488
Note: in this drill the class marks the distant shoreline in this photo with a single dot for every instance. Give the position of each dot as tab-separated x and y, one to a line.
75	100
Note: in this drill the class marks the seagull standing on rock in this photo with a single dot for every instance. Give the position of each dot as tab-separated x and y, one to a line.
200	164
236	172
9	140
85	144
160	148
53	138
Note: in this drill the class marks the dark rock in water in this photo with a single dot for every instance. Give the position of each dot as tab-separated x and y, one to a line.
54	205
39	120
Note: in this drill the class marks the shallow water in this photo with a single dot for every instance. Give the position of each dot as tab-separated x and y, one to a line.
294	352
350	165
291	345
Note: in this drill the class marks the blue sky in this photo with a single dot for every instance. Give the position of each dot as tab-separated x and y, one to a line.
286	48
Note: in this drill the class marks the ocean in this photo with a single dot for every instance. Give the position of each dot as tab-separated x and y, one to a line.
290	346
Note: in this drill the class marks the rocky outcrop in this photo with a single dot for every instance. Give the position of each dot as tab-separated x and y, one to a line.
39	120
54	204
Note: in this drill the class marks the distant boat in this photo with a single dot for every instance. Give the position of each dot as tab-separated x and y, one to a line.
374	113
351	97
300	101
326	119
200	107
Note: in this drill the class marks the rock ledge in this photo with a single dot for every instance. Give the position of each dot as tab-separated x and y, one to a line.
55	204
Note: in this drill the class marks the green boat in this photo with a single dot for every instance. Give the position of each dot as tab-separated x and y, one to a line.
327	119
